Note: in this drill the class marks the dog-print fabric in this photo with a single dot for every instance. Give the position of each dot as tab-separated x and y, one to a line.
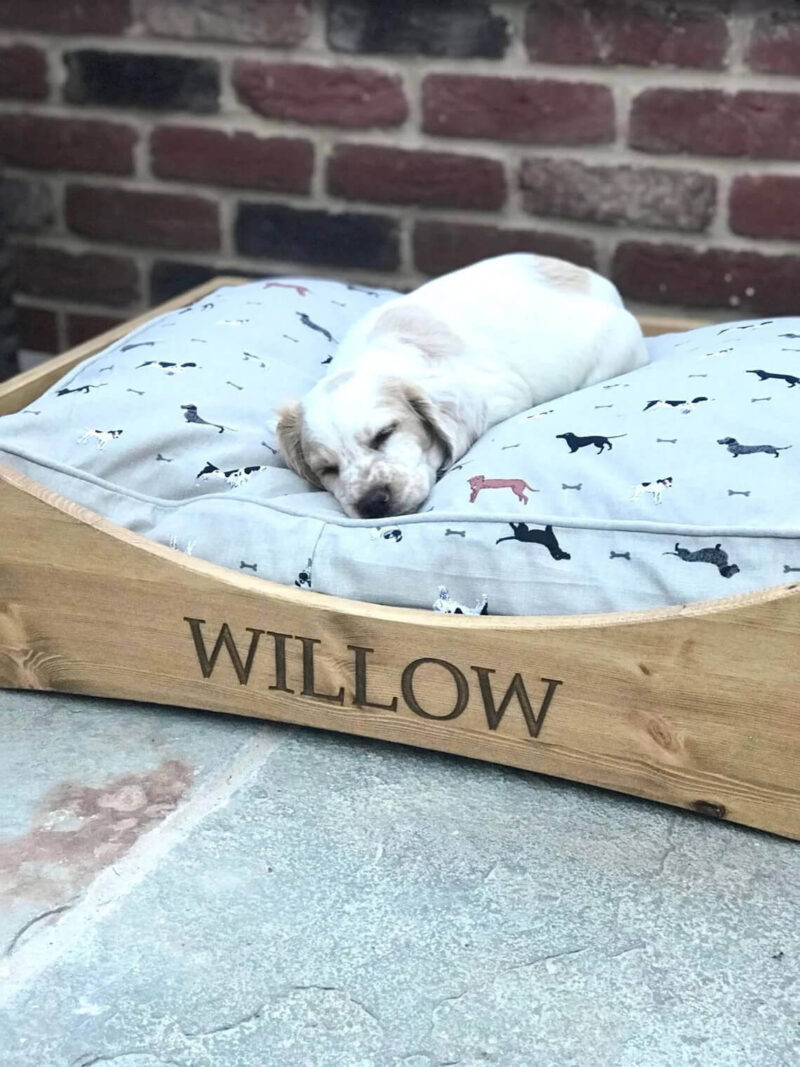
675	483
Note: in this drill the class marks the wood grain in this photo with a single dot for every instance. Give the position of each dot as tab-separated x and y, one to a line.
691	706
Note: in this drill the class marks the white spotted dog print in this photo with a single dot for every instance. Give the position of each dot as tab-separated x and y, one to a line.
655	488
101	437
447	606
686	407
168	368
232	478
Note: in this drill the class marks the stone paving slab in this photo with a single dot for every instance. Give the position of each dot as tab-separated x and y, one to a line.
82	781
336	901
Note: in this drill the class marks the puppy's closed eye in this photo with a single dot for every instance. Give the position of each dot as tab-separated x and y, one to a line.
382	436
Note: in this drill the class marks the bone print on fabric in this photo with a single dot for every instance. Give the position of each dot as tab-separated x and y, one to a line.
657	521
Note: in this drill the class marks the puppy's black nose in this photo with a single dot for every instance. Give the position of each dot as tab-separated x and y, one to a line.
374	504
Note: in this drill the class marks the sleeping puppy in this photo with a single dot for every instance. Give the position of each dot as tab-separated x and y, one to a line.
417	380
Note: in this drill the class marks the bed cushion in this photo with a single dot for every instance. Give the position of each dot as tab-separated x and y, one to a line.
674	483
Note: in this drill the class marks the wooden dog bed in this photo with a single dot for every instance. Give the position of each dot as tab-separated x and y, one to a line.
695	706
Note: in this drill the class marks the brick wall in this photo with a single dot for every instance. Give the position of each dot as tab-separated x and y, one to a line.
148	144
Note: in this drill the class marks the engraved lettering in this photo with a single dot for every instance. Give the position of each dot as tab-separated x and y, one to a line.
308	673
494	715
360	696
407	685
208	663
280	661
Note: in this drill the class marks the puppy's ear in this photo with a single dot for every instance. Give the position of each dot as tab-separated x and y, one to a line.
290	438
434	421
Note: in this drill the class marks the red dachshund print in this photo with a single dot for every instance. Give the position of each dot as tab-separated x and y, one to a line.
300	289
516	485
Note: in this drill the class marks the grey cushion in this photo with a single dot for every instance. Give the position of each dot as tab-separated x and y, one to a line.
171	433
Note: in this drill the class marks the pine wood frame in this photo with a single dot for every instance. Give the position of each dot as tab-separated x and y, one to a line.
696	706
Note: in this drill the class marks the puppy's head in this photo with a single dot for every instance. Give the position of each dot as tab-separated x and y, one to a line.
376	445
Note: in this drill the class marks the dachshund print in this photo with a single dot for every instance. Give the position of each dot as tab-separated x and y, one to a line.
306	321
686	407
517	486
716	556
655	488
101	437
736	449
191	415
232	478
791	336
575	442
163	459
301	290
764	375
80	389
790	570
546	537
445	604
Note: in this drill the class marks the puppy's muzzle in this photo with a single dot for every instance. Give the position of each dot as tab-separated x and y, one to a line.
374	504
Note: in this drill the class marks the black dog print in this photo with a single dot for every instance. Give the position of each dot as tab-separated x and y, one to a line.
575	442
790	570
686	407
191	415
80	389
763	375
306	321
163	459
546	537
736	449
716	556
791	336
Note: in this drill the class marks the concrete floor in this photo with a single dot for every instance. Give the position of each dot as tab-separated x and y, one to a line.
189	889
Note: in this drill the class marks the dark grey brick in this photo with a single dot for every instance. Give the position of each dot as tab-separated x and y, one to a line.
169	278
26	206
456	28
341	240
132	79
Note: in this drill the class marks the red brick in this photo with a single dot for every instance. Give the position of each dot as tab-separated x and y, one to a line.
708	121
517	109
23	72
618	195
88	277
765	206
639	33
403	176
37	328
774	45
66	16
279	164
282	23
443	246
162	220
66	144
719	277
335	96
82	328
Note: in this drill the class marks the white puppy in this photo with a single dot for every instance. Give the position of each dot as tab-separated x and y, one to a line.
417	380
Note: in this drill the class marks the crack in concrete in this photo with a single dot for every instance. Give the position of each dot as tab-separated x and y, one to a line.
83	1061
670	847
33	922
